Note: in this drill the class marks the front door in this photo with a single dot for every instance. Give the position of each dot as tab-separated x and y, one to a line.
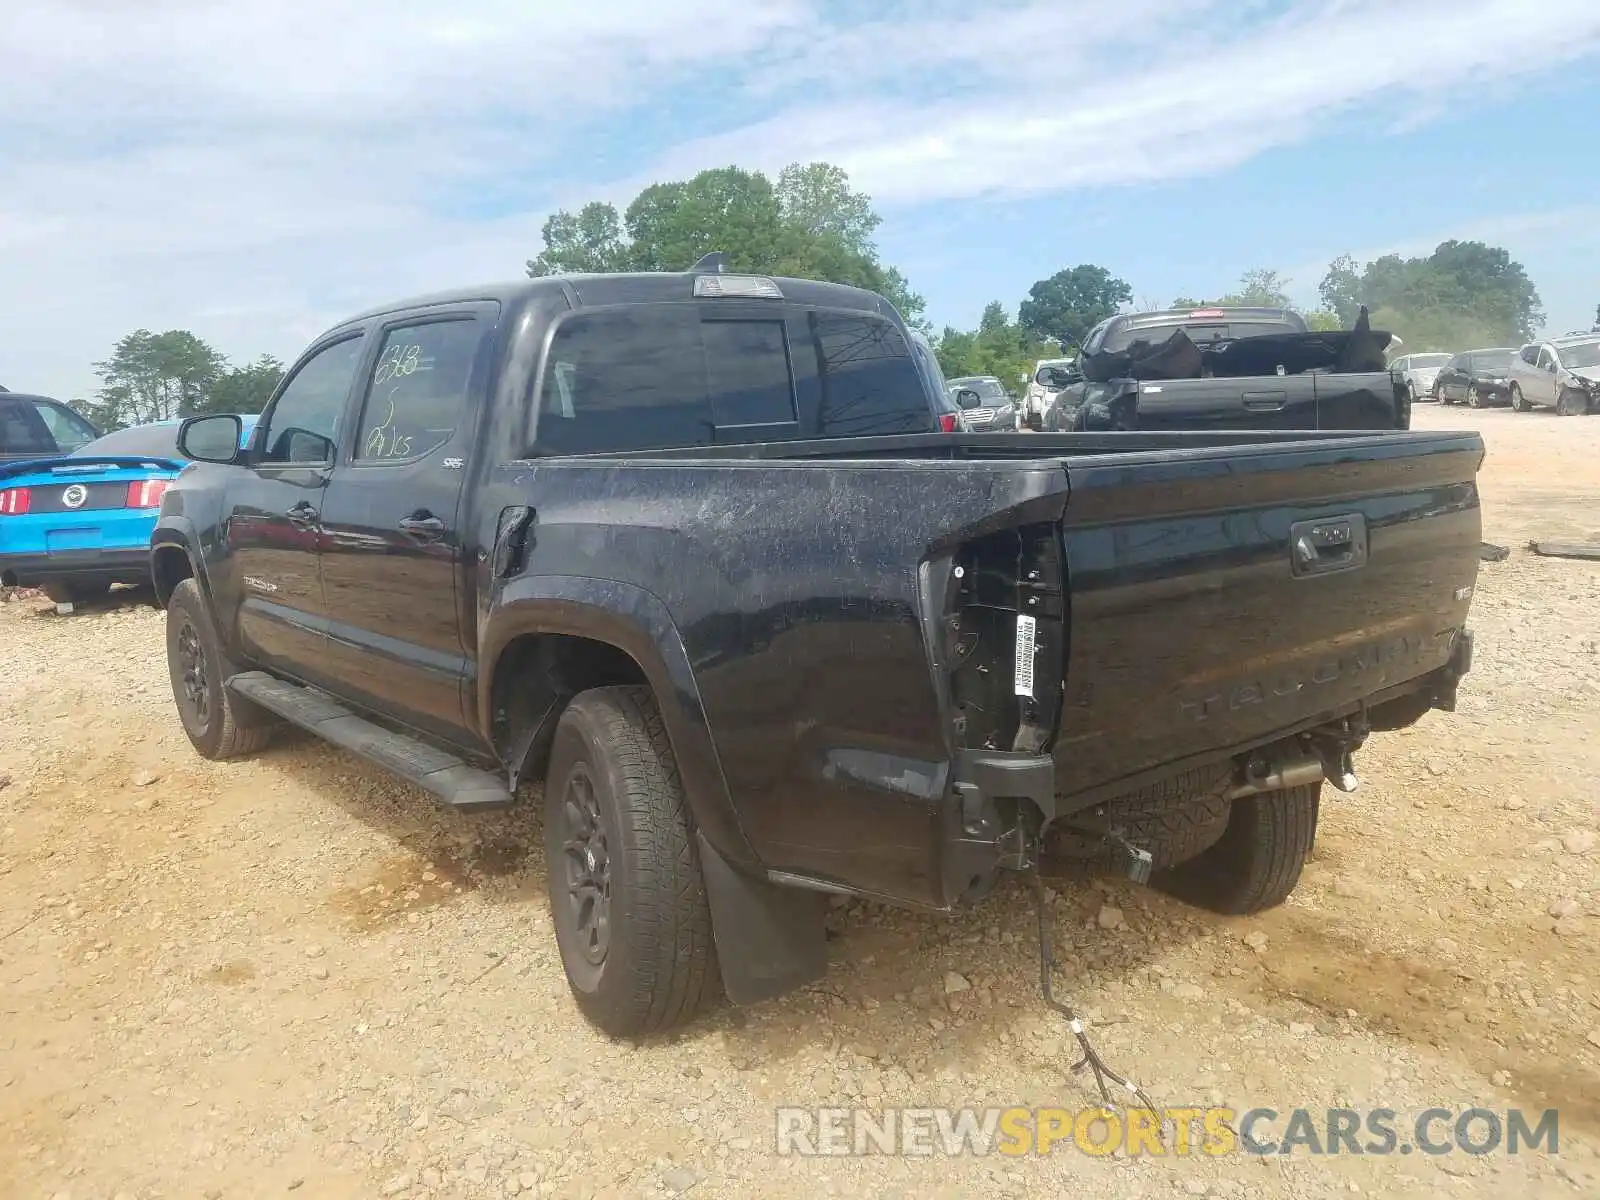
1544	382
272	518
391	551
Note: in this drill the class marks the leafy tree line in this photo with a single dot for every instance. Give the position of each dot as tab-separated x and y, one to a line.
1463	295
160	376
811	223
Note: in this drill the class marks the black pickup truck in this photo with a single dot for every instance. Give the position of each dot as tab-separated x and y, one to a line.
1226	368
691	551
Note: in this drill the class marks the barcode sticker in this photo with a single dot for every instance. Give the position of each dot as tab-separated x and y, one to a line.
1027	632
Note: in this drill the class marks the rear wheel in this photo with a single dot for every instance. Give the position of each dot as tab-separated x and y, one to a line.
1572	403
1256	862
632	919
1518	402
220	724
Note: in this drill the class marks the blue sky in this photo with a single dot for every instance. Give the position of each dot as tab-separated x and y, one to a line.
253	171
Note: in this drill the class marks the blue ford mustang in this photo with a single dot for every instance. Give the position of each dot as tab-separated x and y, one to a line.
74	524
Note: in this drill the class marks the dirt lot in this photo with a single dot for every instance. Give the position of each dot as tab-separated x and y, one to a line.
293	974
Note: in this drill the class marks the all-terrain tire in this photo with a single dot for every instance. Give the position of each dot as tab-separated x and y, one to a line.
1257	861
218	722
1174	820
656	967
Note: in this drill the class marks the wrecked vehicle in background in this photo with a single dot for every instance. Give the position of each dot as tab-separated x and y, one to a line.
1229	368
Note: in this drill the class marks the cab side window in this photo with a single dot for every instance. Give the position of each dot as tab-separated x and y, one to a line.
1530	354
69	430
303	425
418	393
1546	359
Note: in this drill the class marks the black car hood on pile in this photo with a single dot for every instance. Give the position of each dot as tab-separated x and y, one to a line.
1347	351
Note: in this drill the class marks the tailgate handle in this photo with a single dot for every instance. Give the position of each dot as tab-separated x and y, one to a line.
1328	544
1266	401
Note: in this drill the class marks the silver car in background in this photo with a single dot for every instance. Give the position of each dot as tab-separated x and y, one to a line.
985	404
1563	374
1419	371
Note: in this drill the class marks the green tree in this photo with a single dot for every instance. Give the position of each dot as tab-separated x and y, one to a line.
1463	294
1073	301
999	347
155	377
1259	287
1340	289
589	241
1186	302
810	224
244	389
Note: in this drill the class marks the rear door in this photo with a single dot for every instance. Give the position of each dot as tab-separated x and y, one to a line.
273	513
1524	369
391	543
1453	379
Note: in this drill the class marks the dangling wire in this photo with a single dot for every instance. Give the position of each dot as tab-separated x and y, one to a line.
1104	1076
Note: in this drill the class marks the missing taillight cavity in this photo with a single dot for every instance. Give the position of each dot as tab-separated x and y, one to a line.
146	493
1007	602
15	501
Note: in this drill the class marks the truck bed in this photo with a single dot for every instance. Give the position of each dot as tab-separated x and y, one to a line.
812	585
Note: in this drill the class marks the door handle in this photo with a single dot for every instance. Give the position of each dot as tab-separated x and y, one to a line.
302	515
423	526
1266	401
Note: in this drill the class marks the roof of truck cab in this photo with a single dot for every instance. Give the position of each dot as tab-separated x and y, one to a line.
627	288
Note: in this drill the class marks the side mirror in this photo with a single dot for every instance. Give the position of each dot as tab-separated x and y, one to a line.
967	398
213	439
1551	367
1055	378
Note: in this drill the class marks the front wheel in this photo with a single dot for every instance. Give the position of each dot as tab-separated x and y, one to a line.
1572	403
219	723
1474	398
1257	861
632	919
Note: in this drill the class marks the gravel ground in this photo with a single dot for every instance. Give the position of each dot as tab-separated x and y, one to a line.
292	973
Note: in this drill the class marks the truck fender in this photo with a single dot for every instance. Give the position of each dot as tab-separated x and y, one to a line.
636	622
174	535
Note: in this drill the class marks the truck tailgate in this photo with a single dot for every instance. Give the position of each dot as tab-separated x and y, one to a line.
1214	608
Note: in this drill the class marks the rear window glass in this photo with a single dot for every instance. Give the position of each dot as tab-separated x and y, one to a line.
867	380
1199	331
747	372
625	379
645	377
22	433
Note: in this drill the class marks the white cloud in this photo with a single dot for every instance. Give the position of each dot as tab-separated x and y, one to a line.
254	170
1190	101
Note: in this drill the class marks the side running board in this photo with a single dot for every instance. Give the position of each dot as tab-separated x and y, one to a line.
435	771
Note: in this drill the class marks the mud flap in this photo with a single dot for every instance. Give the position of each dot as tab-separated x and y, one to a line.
770	939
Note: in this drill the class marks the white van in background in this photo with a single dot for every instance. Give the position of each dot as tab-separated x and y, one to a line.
1038	397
